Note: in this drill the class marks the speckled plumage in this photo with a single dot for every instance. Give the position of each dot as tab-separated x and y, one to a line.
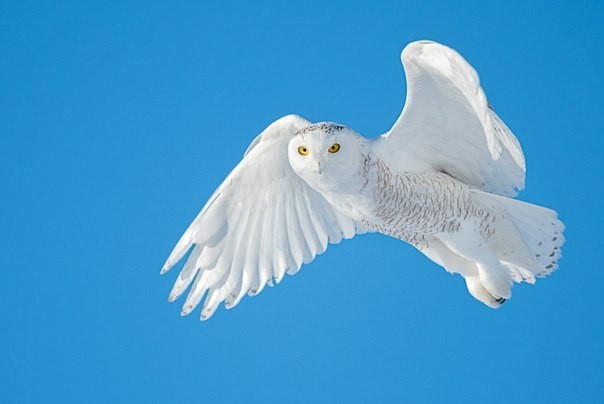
327	128
413	207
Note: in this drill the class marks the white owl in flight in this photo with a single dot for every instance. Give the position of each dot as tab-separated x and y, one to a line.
441	179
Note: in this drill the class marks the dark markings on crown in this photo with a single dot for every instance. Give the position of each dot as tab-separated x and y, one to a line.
323	127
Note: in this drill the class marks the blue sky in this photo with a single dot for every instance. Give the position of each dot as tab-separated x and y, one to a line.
118	121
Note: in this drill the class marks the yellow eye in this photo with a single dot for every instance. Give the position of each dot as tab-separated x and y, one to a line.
334	148
303	150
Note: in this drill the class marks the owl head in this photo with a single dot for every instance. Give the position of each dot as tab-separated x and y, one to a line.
328	156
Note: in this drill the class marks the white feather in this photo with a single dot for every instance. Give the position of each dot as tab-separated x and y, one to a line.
447	124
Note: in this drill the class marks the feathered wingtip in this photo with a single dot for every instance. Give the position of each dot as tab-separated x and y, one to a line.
183	245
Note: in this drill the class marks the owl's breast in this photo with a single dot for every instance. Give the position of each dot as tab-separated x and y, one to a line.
354	207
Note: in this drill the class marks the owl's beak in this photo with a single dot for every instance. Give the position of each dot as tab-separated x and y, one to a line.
319	167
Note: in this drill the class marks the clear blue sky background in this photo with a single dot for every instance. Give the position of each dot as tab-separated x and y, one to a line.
119	119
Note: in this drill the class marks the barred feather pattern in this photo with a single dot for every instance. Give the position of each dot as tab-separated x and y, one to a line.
413	207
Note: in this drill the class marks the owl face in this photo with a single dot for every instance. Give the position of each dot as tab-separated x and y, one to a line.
328	156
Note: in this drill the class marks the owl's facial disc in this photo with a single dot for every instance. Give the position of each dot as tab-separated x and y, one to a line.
326	155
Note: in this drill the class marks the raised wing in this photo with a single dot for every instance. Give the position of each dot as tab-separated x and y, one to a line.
447	124
262	222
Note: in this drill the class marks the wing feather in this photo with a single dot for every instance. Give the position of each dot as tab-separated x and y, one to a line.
187	274
321	237
262	222
447	124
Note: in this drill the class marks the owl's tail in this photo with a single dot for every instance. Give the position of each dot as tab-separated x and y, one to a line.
522	242
527	238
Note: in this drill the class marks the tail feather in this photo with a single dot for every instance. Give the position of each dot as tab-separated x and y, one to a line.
541	231
520	242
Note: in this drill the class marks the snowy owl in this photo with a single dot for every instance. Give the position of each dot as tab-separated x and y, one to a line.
441	179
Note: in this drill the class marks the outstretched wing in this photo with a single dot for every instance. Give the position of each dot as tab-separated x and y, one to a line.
447	124
262	222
